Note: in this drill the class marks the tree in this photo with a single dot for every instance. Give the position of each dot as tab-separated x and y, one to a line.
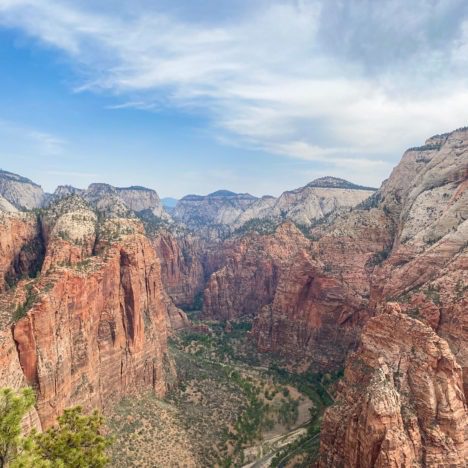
76	441
13	407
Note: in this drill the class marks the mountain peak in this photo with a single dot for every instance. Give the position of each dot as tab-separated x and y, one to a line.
222	193
336	182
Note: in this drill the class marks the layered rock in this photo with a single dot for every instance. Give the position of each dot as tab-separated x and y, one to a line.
222	213
20	192
401	401
412	400
307	204
322	298
93	327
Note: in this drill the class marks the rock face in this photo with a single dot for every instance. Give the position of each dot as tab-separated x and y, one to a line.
182	267
93	326
413	398
211	215
117	201
225	212
6	206
21	249
20	192
401	401
307	204
407	243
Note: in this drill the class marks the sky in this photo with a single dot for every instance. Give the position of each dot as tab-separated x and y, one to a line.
258	96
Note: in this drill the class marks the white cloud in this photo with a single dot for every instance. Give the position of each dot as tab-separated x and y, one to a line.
270	81
30	139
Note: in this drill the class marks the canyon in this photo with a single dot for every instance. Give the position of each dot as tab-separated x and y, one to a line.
331	278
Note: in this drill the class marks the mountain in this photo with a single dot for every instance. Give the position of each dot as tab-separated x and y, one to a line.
20	192
331	279
307	204
230	212
84	316
217	209
116	200
386	280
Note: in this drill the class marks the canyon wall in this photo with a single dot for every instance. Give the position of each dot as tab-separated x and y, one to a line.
92	327
401	401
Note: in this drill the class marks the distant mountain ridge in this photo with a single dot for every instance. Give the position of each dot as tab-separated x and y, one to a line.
20	191
219	213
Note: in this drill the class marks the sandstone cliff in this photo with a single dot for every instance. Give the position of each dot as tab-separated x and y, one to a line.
212	215
401	402
416	409
93	326
182	266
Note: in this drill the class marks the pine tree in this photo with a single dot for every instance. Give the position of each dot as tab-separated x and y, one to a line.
75	442
13	407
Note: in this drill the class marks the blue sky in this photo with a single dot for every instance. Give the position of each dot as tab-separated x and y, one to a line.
192	96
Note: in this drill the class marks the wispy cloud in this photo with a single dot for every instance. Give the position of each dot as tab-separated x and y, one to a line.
337	82
43	143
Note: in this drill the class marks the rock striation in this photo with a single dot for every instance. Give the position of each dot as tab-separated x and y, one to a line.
222	213
93	326
182	266
212	215
401	401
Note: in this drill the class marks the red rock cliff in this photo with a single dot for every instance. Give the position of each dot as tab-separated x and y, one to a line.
94	327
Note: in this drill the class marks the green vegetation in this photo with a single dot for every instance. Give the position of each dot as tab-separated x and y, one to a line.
260	226
31	299
306	232
432	293
13	407
379	257
270	396
75	442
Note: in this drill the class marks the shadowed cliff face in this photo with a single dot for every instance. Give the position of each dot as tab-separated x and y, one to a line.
182	266
93	326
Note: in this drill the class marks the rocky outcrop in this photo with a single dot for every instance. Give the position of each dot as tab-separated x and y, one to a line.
401	402
20	192
6	206
93	326
322	297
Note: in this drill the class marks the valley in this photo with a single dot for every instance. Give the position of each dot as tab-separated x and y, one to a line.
236	407
325	327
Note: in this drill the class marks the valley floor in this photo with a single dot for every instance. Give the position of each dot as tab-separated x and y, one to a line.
232	407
